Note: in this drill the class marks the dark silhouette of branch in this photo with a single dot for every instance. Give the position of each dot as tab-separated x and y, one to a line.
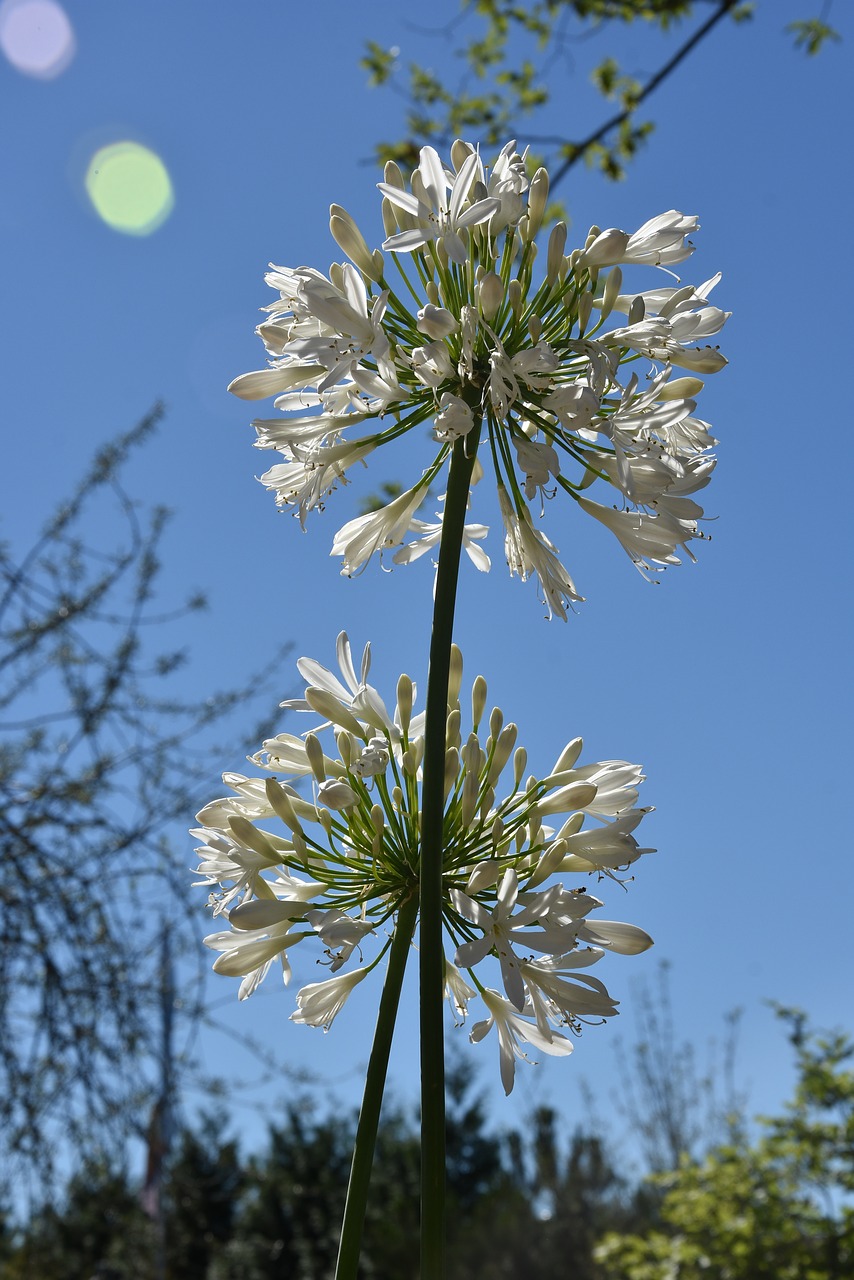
579	149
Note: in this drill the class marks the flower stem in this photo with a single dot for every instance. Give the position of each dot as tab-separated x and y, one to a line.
432	960
369	1115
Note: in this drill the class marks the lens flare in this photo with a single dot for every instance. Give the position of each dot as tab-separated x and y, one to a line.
130	188
36	37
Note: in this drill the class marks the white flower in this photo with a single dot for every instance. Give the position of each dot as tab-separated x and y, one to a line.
659	242
513	1028
492	354
336	871
437	322
537	461
435	216
529	551
320	1002
454	419
429	536
357	540
646	538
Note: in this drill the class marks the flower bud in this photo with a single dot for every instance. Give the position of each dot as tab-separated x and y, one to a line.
538	195
514	294
568	756
557	244
452	728
585	306
280	803
460	152
389	216
681	389
249	836
637	310
611	292
699	359
314	752
337	795
437	322
452	769
606	248
349	238
478	700
404	702
392	175
491	295
455	677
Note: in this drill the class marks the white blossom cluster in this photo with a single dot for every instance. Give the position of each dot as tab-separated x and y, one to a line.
568	379
332	861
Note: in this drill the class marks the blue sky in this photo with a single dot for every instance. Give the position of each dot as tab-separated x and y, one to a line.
730	681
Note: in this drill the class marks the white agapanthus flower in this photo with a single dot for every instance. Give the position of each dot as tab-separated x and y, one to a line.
566	379
323	849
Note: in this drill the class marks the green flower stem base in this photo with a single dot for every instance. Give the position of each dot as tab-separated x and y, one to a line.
369	1115
432	981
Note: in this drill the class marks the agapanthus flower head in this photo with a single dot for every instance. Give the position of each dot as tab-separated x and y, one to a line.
322	847
566	378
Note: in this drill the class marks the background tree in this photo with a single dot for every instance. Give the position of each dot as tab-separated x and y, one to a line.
674	1105
502	92
777	1208
99	755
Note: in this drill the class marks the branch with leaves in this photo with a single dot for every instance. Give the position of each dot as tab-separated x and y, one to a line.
518	57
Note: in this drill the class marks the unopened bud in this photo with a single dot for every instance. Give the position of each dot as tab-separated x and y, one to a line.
460	152
585	306
491	295
349	238
557	244
280	803
436	322
681	389
478	700
637	310
611	292
389	217
606	248
538	195
514	294
314	751
452	728
404	702
455	676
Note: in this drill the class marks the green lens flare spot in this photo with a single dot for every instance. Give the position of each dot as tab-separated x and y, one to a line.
130	188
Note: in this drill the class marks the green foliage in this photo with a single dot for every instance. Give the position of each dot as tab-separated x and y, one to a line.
811	34
536	1203
519	1204
513	54
774	1209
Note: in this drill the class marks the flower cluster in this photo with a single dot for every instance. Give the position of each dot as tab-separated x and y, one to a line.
335	862
561	372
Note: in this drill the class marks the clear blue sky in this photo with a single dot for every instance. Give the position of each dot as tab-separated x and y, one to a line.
730	681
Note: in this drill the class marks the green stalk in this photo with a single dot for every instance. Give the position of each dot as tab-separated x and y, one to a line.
369	1116
432	964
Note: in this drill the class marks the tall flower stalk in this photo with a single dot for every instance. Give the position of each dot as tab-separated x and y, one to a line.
562	380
